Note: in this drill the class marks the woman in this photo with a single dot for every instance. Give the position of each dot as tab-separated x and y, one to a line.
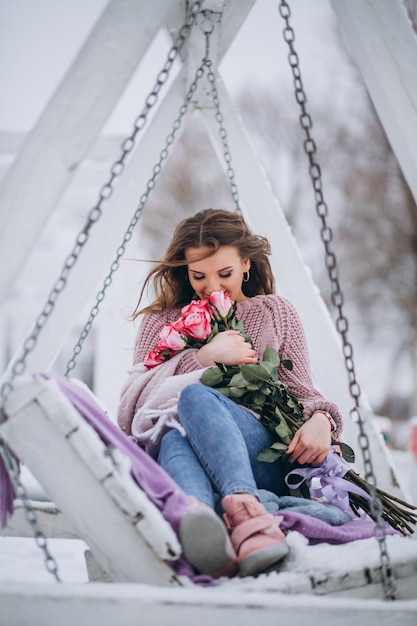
207	443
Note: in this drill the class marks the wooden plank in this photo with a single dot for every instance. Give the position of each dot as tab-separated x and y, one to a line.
106	236
383	43
44	605
294	281
52	522
70	124
125	531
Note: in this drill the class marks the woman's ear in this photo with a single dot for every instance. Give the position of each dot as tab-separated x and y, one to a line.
246	265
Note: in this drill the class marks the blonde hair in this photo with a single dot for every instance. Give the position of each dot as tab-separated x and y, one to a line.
210	228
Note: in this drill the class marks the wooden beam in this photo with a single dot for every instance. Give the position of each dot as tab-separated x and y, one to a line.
383	44
52	522
127	605
107	234
228	17
70	124
93	489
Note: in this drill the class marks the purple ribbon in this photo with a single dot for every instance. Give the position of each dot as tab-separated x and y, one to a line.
332	486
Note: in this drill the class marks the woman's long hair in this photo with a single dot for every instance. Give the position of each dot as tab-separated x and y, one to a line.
210	228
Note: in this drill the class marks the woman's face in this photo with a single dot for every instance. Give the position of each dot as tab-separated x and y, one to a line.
222	271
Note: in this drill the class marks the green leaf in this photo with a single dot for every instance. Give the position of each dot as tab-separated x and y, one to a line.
347	452
269	367
252	373
224	390
258	398
278	413
278	445
212	377
271	356
282	430
238	381
234	392
288	364
268	456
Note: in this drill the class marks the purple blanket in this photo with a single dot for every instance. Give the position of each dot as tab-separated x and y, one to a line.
165	494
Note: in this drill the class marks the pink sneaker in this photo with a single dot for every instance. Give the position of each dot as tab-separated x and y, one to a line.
205	541
256	536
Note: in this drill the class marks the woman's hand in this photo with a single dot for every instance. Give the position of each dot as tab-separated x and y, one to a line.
311	443
228	347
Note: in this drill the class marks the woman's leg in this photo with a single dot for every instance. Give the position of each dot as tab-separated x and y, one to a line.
223	441
203	535
227	439
179	460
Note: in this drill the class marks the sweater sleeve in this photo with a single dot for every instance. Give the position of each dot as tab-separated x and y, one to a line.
299	379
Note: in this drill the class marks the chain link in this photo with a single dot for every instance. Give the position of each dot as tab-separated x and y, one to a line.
12	466
206	63
19	365
338	301
136	216
207	28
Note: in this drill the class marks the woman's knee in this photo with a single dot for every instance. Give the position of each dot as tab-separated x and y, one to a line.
193	396
195	401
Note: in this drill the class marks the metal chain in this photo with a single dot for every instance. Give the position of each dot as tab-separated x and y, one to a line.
19	365
136	216
337	300
219	118
206	63
12	466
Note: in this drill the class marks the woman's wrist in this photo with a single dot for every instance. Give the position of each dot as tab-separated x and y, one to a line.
203	356
329	418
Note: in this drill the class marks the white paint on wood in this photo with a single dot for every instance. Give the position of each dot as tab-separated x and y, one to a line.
106	235
94	489
51	521
128	605
383	43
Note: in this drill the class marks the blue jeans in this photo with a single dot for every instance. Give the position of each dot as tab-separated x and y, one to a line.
219	454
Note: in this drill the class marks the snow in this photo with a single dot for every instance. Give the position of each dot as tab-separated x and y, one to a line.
21	561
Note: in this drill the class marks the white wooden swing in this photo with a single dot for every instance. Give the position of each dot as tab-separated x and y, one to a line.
40	417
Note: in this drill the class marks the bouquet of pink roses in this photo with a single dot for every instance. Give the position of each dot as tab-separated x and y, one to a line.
200	321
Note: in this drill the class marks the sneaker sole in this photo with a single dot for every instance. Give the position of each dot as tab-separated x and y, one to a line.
262	560
205	543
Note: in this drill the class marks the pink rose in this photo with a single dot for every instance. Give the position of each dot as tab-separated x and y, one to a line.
196	319
154	358
222	301
170	339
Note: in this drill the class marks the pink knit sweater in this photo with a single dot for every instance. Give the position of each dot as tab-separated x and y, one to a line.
269	321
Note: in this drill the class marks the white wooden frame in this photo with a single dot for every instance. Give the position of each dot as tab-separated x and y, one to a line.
95	491
30	203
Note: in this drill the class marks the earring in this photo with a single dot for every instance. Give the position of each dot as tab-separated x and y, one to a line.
246	276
